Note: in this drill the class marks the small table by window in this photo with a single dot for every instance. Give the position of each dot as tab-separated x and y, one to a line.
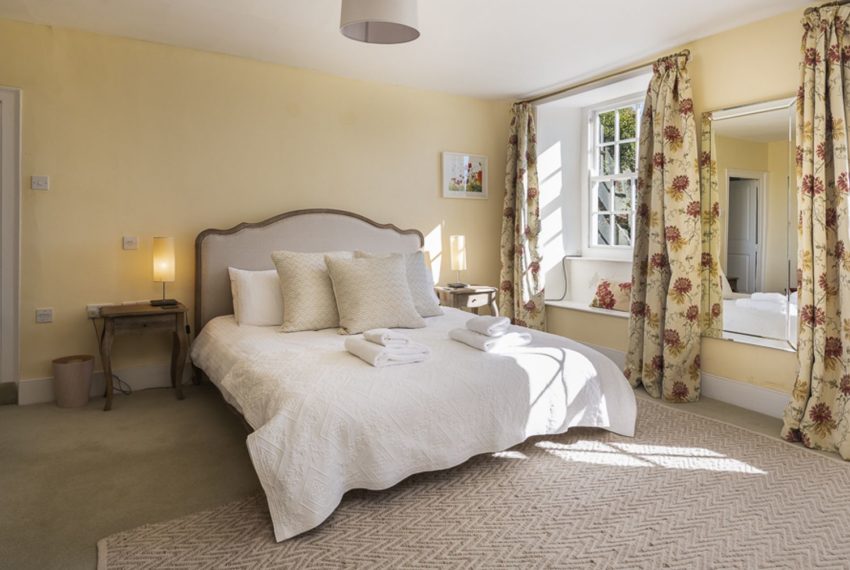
471	297
119	319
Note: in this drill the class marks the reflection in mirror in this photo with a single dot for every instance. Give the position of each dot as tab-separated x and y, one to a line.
753	229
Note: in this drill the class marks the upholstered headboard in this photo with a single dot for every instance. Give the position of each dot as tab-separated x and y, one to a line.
249	246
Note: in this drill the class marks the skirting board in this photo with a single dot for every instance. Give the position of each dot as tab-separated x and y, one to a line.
742	394
40	390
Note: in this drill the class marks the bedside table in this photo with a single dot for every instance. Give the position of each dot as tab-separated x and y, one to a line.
471	297
119	319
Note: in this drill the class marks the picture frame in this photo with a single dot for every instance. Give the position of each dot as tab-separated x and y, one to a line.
464	175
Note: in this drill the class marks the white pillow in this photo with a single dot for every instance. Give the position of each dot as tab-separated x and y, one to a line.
372	293
420	281
256	297
307	291
728	293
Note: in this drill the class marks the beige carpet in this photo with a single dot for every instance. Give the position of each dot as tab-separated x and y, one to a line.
687	492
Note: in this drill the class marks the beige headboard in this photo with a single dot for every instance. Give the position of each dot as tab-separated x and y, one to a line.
249	246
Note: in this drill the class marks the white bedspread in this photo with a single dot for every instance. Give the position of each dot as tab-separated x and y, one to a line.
325	422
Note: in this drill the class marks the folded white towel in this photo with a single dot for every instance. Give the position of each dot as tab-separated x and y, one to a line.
489	326
387	337
379	356
489	343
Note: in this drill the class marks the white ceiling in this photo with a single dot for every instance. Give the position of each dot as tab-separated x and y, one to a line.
484	48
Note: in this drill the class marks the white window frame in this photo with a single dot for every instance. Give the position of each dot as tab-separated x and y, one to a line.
590	168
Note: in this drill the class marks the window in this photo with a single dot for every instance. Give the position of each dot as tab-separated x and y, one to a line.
613	144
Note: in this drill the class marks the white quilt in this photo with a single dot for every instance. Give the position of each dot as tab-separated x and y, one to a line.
326	422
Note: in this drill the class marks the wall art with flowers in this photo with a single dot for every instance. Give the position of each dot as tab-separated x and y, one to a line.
464	175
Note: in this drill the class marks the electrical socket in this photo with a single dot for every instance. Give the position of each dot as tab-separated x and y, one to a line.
93	309
44	315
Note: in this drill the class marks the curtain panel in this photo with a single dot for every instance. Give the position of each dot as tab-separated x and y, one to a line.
520	282
819	411
665	323
712	286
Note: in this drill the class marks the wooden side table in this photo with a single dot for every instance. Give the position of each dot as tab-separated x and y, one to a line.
118	319
471	297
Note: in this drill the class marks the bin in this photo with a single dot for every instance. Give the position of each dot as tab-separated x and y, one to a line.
72	380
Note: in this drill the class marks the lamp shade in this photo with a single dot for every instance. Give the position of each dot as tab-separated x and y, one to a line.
458	252
163	259
379	21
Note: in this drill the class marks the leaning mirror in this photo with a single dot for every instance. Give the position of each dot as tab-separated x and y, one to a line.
749	211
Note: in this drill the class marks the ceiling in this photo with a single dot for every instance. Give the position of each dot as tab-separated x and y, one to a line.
483	48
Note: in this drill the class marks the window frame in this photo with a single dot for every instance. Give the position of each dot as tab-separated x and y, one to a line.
591	173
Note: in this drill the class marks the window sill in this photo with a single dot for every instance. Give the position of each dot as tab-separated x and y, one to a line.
585	308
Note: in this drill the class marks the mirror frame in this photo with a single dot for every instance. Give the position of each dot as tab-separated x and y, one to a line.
712	323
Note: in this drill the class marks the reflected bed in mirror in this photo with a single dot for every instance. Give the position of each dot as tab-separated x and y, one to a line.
751	154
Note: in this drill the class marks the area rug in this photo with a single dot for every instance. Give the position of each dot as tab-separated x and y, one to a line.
686	492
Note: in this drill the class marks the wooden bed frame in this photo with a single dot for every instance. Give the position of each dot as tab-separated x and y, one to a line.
249	245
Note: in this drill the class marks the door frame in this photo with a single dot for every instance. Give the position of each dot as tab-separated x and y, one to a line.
10	232
761	176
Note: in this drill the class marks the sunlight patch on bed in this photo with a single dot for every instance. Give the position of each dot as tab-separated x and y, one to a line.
638	455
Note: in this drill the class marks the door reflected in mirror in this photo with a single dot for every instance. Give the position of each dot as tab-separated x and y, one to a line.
752	176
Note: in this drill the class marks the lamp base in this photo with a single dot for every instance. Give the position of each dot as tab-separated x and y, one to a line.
164	302
456	285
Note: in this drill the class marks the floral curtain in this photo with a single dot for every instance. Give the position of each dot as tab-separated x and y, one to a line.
712	287
819	411
664	325
521	285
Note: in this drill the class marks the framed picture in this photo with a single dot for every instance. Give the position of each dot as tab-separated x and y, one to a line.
464	175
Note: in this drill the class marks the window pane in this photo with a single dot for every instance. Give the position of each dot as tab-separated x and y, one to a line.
627	157
623	230
628	126
603	230
623	196
606	160
607	123
603	197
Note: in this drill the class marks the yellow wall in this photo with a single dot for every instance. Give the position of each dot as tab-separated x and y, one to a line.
145	139
781	243
757	62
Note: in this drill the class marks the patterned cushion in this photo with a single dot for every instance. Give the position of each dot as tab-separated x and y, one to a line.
613	296
420	281
372	293
307	291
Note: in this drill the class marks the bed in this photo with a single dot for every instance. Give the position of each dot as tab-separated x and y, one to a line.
765	315
325	422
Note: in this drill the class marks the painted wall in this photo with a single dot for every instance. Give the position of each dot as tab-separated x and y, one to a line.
145	139
752	63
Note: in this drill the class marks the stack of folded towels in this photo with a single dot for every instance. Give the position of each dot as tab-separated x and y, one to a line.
489	334
385	347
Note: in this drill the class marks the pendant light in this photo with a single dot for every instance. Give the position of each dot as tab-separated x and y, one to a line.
379	21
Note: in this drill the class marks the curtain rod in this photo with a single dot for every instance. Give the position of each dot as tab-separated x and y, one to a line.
684	52
827	5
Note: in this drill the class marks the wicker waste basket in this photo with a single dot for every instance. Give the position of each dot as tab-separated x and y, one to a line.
72	380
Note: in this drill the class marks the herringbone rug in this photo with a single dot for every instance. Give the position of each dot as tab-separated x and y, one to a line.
687	492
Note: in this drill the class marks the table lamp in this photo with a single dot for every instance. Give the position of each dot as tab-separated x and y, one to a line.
458	255
163	267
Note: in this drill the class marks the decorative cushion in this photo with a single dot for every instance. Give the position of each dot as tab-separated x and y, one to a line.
612	296
306	289
372	293
256	297
420	281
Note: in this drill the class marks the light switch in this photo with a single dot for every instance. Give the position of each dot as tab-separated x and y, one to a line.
44	315
131	242
40	182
